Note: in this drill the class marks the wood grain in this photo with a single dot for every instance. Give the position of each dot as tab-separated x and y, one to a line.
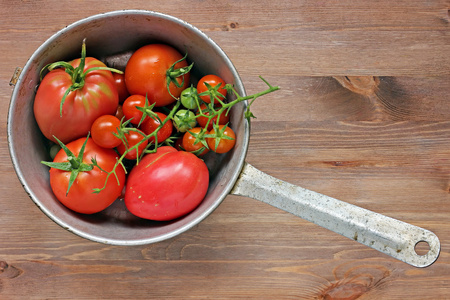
363	116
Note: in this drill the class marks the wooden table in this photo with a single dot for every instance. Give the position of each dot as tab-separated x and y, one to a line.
363	116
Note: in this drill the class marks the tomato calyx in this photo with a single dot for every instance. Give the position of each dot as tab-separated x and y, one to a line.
77	74
74	164
172	75
147	111
219	134
221	138
213	93
200	137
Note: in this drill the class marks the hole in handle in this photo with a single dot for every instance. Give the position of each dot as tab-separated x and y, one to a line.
422	248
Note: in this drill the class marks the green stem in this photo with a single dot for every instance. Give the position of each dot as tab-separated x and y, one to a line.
227	106
73	162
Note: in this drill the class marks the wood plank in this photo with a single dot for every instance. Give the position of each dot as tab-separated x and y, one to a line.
384	99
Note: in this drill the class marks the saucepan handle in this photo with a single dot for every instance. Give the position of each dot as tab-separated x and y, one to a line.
387	235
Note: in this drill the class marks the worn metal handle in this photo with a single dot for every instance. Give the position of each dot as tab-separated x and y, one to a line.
390	236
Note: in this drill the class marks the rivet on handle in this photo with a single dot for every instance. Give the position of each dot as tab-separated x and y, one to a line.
15	76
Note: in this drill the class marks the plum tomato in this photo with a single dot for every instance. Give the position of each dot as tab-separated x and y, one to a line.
223	118
224	141
151	124
133	137
218	88
80	197
130	110
102	131
147	73
119	81
191	142
166	185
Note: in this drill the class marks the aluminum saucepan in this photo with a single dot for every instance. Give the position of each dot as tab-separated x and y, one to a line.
112	37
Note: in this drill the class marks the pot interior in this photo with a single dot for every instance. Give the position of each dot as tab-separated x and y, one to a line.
112	37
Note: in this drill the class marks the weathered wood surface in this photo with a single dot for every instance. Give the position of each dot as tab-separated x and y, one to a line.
363	116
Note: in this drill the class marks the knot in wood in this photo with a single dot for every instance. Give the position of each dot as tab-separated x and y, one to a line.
363	85
346	291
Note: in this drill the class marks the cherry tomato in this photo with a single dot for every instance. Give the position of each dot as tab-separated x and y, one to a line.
96	96
189	98
129	108
150	125
166	185
80	197
213	81
225	142
191	144
133	138
224	118
184	120
119	81
146	73
102	131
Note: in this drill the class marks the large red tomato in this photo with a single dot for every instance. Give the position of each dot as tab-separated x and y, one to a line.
149	70
92	94
81	197
166	185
